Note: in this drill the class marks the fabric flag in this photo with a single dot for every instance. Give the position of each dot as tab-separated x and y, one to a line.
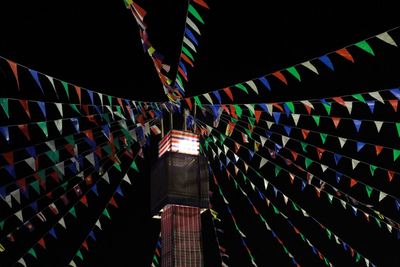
4	106
310	66
14	68
5	133
365	46
294	72
325	59
385	37
345	53
35	76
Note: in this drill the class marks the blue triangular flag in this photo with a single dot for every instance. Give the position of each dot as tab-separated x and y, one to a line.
119	191
337	158
357	124
94	189
275	191
10	169
191	36
106	130
183	67
264	107
91	234
215	109
371	105
2	191
344	246
53	232
31	151
397	204
325	59
338	177
218	96
75	123
90	93
5	133
265	83
35	76
303	185
42	107
98	109
360	145
313	250
277	116
34	206
396	93
288	129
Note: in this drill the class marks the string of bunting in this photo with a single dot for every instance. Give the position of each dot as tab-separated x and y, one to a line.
282	75
157	253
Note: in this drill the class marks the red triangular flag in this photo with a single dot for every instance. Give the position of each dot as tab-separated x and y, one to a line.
390	175
378	149
21	182
320	151
189	103
78	92
24	129
308	108
336	121
112	202
85	109
83	200
339	100
24	104
139	10
42	243
233	111
184	57
305	133
9	157
352	182
89	134
344	53
279	107
201	3
228	92
14	68
294	154
85	245
280	76
394	103
257	114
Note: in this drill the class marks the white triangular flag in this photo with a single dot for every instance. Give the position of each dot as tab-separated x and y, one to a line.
378	125
263	140
354	163
336	239
189	43
285	139
296	118
349	106
236	157
389	227
307	103
51	144
305	213
265	184
366	262
72	264
22	261
285	198
330	197
377	96
323	167
342	141
16	195
382	195
8	200
263	162
192	25
126	179
19	215
226	149
62	222
208	97
219	151
31	163
386	38
100	95
269	107
209	129
310	66
253	86
269	124
343	203
98	224
90	158
58	124
60	109
51	80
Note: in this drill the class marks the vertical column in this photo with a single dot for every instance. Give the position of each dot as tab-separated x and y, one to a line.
181	232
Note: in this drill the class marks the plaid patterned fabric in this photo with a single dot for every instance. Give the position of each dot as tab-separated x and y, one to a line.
181	232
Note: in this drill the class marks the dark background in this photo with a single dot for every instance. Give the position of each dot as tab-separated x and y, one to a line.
96	45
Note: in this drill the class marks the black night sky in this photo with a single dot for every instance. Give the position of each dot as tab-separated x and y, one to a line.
96	44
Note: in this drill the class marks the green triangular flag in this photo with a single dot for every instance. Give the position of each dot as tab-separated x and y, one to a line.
187	53
197	101
290	105
294	72
359	97
328	233
304	146
248	132
117	166
275	209
242	87
316	119
134	166
234	120
74	107
32	252
195	13
65	85
328	107
72	211
79	254
369	190
1	225
326	262
53	155
116	144
236	184
64	185
245	179
372	168
222	138
398	128
295	207
358	257
43	126
251	121
70	139
155	259
35	185
323	137
4	105
107	149
238	110
105	213
308	162
109	100
396	154
277	170
378	222
365	46
285	249
42	174
302	237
